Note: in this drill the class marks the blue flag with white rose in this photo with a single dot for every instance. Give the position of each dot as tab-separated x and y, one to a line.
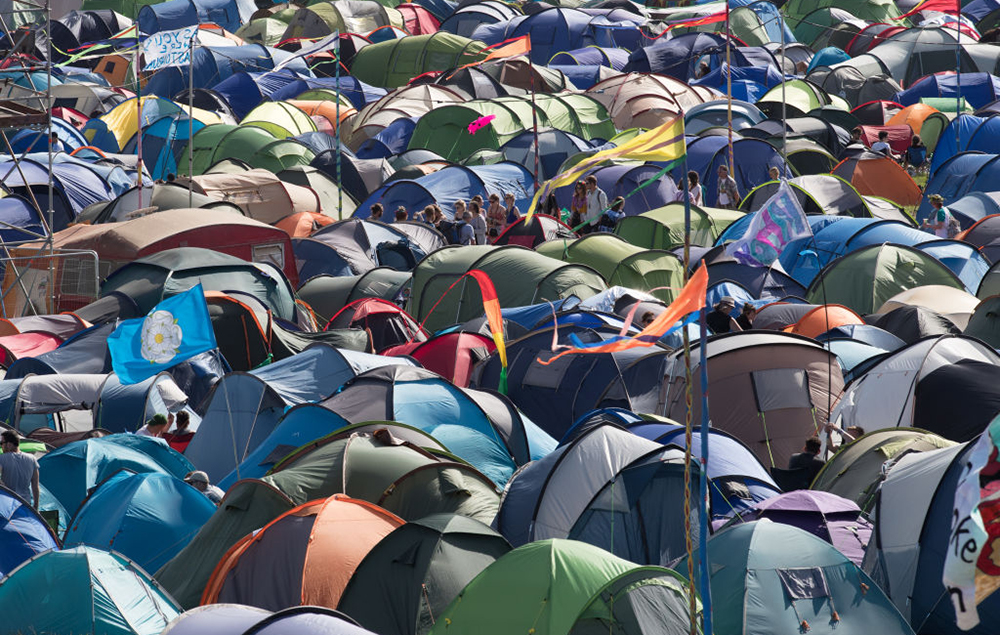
175	330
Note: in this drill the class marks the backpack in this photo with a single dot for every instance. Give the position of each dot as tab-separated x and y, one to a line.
953	226
456	233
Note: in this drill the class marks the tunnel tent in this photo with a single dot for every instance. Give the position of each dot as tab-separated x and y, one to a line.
279	118
328	294
281	155
464	20
391	64
663	228
865	279
538	278
621	263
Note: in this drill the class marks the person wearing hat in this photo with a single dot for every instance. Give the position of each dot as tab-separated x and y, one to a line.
155	427
199	481
720	320
940	221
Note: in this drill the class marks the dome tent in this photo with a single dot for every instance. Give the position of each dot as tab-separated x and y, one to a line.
23	532
100	593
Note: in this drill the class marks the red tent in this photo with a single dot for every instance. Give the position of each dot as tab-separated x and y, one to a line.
387	324
451	355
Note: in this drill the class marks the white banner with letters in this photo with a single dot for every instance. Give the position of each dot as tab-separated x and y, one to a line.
169	48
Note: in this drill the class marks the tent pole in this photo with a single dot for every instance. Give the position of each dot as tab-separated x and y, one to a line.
704	492
48	110
340	187
958	65
784	114
138	104
191	121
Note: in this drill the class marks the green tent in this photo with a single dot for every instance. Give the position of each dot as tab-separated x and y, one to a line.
520	276
870	10
444	130
281	119
241	143
323	18
282	154
393	63
266	31
412	574
801	96
984	324
329	294
325	94
558	587
621	263
855	471
663	228
205	141
865	279
331	198
150	279
769	577
249	505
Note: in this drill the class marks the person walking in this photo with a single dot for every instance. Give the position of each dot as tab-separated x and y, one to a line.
941	222
18	470
478	222
729	193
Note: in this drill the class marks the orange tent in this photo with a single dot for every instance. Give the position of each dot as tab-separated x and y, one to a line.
873	174
823	318
303	224
913	116
306	556
325	109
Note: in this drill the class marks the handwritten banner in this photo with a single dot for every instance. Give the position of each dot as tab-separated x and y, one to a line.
169	48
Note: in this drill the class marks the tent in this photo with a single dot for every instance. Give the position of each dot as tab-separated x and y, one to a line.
622	264
663	228
238	619
520	276
836	520
912	388
954	304
855	471
767	575
125	511
337	529
393	63
531	233
100	593
23	532
555	395
875	175
770	390
451	355
175	14
561	586
327	294
753	159
387	324
912	533
412	574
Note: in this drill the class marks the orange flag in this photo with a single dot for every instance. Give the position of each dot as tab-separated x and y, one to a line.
508	48
690	299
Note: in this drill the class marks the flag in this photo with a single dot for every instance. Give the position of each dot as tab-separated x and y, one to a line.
175	330
664	143
169	48
944	6
711	18
503	50
491	306
778	222
681	312
972	559
329	43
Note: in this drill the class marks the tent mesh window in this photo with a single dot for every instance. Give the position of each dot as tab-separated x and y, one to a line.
778	388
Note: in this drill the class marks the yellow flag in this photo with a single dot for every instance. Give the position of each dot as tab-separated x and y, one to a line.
664	143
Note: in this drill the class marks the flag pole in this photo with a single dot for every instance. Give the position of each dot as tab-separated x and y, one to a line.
784	116
729	93
191	121
534	115
958	65
340	186
138	111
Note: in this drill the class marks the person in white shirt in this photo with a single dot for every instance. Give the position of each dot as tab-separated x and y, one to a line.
940	217
882	145
199	481
155	427
597	202
478	222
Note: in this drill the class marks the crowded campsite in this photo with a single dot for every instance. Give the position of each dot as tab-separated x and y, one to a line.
500	317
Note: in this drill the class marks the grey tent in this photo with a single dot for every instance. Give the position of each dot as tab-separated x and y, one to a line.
412	574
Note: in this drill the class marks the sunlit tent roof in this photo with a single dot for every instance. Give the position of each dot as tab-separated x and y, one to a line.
393	63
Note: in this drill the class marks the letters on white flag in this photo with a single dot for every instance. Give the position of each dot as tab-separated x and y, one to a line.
169	48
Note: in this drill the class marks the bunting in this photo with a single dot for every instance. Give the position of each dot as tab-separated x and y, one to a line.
944	6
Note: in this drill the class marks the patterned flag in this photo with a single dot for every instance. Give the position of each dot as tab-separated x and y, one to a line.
778	222
175	330
972	559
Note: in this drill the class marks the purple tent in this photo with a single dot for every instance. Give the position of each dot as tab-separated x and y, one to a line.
834	519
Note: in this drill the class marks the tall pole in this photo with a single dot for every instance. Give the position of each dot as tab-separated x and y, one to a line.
958	65
534	117
48	110
729	92
706	587
784	117
138	109
340	186
191	121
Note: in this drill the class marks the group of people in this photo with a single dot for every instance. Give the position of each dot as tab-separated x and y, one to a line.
475	222
913	158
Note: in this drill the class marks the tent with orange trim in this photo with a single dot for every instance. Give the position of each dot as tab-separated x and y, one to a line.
62	325
926	121
303	224
325	109
387	324
804	319
306	556
873	174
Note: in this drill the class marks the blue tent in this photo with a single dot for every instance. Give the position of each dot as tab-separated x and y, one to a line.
738	480
621	180
979	9
71	471
19	220
85	352
960	175
447	185
760	282
978	89
38	140
177	14
127	407
164	141
582	77
147	518
753	158
852	354
23	533
245	91
958	135
615	58
827	57
770	18
769	577
212	65
354	89
964	260
486	432
866	334
679	56
554	147
558	394
974	207
244	408
84	591
464	20
750	83
75	186
391	140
